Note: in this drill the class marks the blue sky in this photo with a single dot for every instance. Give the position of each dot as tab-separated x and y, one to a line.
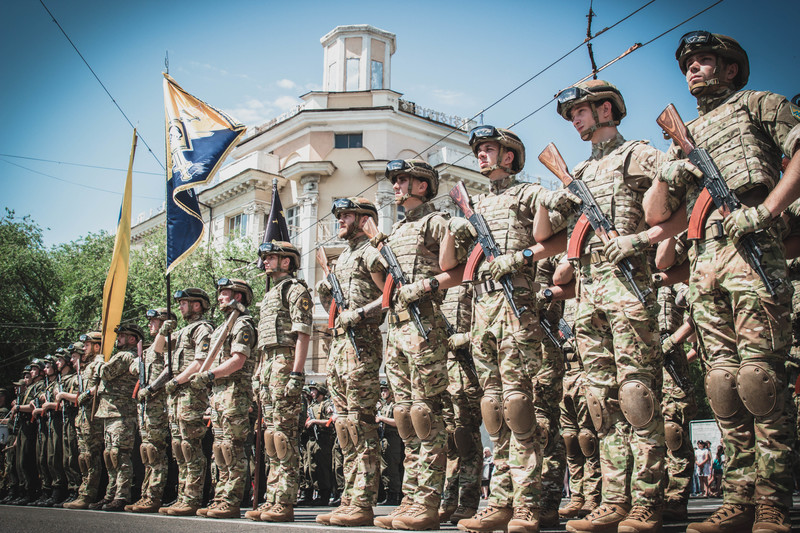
253	59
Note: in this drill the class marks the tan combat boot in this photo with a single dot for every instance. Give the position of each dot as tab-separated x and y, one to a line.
146	505
81	502
771	519
641	519
605	518
224	510
386	521
728	518
129	507
353	516
203	511
525	520
589	506
255	514
574	509
280	512
488	519
675	511
325	518
462	513
445	513
418	517
182	509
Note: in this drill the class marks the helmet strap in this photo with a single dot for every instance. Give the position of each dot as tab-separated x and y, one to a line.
587	135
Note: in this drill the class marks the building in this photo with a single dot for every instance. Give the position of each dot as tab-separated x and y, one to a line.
335	144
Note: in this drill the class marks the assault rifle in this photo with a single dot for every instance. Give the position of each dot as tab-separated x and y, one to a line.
715	190
486	244
310	415
142	383
680	336
591	215
60	404
338	302
395	276
462	354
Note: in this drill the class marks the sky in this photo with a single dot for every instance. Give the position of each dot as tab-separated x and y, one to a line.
253	59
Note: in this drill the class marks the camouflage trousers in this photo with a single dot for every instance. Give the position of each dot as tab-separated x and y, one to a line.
90	453
678	408
746	334
354	389
55	451
41	457
417	373
619	344
580	440
187	428
10	478
548	390
153	449
462	418
231	422
392	455
70	455
507	353
281	415
119	435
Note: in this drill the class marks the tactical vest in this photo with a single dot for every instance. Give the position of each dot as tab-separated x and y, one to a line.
605	178
114	397
457	308
242	377
184	352
275	326
407	241
353	274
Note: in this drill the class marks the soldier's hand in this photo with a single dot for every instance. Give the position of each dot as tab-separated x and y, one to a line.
458	340
462	229
167	327
201	380
104	372
746	220
85	398
680	173
378	238
171	386
349	318
667	345
411	293
561	200
323	289
624	246
295	384
144	394
506	264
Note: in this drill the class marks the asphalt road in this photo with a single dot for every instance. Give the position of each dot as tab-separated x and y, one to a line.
44	520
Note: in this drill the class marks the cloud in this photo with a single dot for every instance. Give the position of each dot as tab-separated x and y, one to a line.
285	103
286	84
253	111
443	96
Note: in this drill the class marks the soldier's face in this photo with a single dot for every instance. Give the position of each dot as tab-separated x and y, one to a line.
347	225
49	369
488	152
271	261
582	118
28	379
700	68
225	297
74	356
153	325
61	363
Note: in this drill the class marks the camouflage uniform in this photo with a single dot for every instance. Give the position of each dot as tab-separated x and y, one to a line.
54	424
69	384
42	424
285	311
392	454
26	453
319	451
90	437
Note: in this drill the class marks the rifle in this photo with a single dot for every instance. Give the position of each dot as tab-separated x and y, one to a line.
310	414
715	190
395	276
142	378
338	298
15	424
548	330
48	398
590	215
565	330
60	404
463	355
486	244
680	336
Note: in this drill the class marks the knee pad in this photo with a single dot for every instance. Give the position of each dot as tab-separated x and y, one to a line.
227	452
571	445
283	448
342	433
492	415
218	459
588	442
107	460
352	432
402	417
757	388
465	444
186	448
113	454
721	392
596	411
177	454
673	436
143	454
269	442
637	402
519	415
425	426
152	453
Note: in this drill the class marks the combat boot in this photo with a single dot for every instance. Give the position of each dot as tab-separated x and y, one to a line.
461	513
306	499
589	506
280	512
182	509
641	519
129	507
325	518
771	519
574	509
81	502
225	510
115	506
605	518
675	511
417	517
146	505
525	520
353	516
548	517
392	498
98	505
386	521
445	513
255	514
487	519
728	518
203	511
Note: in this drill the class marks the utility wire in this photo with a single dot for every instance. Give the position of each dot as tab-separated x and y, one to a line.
160	174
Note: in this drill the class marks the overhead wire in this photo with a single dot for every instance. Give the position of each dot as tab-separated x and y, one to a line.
160	174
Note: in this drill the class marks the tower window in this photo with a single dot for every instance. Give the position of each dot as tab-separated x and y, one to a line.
348	140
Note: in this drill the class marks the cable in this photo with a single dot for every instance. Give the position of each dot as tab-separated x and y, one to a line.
82	165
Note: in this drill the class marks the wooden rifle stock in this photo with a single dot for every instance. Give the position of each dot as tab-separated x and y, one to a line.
551	158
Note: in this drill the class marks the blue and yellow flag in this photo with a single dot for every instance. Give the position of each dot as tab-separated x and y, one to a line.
117	279
199	138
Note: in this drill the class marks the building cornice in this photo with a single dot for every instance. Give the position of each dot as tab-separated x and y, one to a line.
295	171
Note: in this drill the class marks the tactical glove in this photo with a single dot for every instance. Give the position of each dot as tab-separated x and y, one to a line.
746	220
144	394
167	327
506	264
294	385
323	289
462	229
561	200
349	318
200	380
411	293
171	387
667	345
680	173
85	398
624	246
458	340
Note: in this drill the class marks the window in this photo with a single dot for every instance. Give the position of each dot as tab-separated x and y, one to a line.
332	73
237	226
293	222
401	213
376	79
347	140
352	74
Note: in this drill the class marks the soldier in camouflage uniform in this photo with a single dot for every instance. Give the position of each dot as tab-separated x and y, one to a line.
26	450
153	418
392	452
54	428
40	385
462	414
90	431
507	348
745	330
116	408
284	331
67	385
230	376
11	481
617	334
319	448
353	379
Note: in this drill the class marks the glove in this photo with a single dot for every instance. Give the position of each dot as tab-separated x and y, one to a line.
349	318
506	264
144	394
462	229
167	327
746	220
85	398
105	372
680	173
171	387
378	238
561	200
667	345
200	380
295	384
624	246
408	294
458	340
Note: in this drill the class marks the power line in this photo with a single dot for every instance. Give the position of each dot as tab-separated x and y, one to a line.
81	165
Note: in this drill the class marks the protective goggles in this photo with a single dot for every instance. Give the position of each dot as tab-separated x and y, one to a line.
265	249
693	38
570	94
152	313
401	165
87	338
482	132
72	349
224	282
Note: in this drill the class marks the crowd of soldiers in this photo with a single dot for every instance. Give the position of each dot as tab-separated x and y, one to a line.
476	335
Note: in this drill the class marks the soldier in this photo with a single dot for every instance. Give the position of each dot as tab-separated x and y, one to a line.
90	431
284	331
744	329
353	376
40	384
319	449
230	376
12	480
54	427
392	452
26	444
68	414
7	438
153	417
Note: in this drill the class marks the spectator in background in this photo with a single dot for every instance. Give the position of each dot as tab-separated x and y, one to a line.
486	475
716	470
703	462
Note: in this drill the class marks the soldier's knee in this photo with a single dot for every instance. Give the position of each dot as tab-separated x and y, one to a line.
519	415
188	451
402	417
177	453
343	433
587	441
720	384
283	446
227	452
673	436
571	445
217	451
426	425
269	443
492	415
758	388
638	402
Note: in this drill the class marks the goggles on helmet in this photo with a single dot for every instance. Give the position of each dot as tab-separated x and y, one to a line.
693	37
151	313
482	132
570	94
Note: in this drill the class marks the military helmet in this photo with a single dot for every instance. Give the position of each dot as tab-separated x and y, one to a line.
505	138
75	347
415	168
354	204
92	336
384	384
193	294
720	45
281	249
130	328
37	363
50	360
161	314
237	285
591	91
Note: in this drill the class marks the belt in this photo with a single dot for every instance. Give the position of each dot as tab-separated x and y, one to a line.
399	318
592	258
714	230
338	332
489	285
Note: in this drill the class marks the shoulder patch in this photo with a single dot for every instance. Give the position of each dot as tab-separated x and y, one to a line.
795	111
305	303
204	347
245	336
